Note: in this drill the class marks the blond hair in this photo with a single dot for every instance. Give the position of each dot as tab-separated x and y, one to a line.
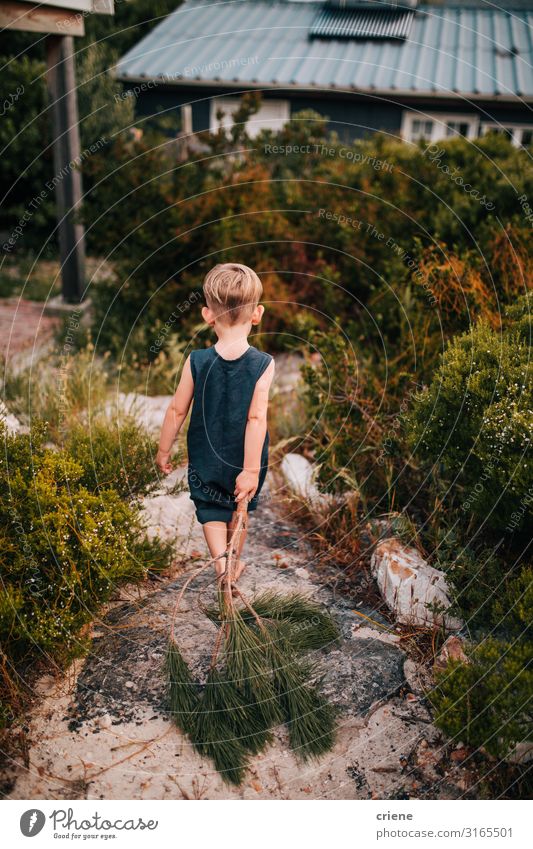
232	291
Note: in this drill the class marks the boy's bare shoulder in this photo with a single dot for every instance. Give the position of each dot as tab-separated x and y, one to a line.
266	378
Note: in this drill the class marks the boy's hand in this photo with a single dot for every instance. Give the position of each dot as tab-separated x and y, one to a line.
246	485
163	462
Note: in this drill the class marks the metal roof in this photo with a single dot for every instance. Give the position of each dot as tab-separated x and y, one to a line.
451	51
361	22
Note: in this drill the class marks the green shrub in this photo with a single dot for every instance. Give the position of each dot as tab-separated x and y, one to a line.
27	161
59	390
65	547
354	427
292	218
490	591
475	421
113	455
486	703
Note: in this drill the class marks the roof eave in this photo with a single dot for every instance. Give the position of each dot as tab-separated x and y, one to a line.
306	89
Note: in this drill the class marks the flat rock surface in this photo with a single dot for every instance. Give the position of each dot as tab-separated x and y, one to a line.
103	731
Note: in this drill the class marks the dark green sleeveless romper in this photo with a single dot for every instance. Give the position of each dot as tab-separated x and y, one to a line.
223	391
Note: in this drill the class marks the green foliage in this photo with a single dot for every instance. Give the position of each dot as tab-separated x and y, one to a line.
295	213
490	591
182	691
475	420
307	625
214	738
310	718
258	681
114	455
355	433
129	23
26	163
160	376
60	391
103	110
486	703
65	546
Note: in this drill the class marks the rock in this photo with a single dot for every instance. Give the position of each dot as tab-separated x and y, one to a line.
162	514
522	753
11	422
300	476
451	650
411	587
417	677
147	410
361	674
363	632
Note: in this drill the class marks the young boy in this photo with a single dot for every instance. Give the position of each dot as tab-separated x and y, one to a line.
227	440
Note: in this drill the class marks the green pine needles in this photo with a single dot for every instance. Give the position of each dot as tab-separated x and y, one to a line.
258	679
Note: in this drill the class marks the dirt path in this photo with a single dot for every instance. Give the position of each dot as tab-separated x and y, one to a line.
102	731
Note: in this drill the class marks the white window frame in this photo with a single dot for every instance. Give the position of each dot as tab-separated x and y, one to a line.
440	121
517	130
272	114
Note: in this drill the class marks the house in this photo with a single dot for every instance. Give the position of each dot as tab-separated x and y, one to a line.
417	70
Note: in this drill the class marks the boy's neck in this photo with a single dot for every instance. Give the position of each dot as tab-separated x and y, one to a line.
232	339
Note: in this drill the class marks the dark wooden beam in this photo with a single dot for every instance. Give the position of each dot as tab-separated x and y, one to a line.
61	82
30	18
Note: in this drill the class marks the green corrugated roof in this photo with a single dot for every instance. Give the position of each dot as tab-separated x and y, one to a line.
452	49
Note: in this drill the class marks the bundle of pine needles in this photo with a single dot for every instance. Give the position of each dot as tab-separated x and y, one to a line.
258	678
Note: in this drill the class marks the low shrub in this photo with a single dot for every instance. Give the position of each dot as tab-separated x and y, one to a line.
490	590
475	422
114	455
59	390
486	703
66	544
354	427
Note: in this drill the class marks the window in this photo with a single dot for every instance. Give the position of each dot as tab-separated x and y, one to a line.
527	137
434	127
272	114
421	129
518	134
457	128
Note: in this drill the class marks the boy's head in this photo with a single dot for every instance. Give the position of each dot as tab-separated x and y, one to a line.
232	293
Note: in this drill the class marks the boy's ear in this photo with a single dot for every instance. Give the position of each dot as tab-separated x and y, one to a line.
208	316
258	313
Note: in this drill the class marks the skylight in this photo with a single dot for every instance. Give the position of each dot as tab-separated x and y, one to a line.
363	20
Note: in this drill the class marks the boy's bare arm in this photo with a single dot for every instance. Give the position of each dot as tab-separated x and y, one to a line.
256	428
174	417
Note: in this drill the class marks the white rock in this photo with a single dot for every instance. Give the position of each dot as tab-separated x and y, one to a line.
300	476
11	422
162	514
147	410
521	754
453	649
363	632
417	677
409	584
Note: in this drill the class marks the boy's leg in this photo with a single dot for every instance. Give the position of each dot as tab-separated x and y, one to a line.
216	537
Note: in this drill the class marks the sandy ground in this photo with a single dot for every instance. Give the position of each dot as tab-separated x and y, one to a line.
102	731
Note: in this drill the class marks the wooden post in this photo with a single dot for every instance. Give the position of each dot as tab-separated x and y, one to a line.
61	82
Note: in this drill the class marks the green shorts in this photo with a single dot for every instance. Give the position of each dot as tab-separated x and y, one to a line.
208	512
